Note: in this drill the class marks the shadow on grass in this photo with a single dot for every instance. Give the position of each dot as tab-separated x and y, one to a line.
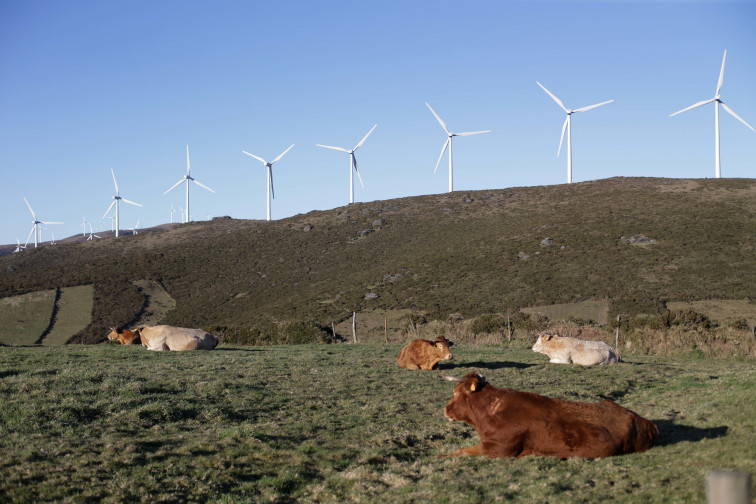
486	365
237	349
672	433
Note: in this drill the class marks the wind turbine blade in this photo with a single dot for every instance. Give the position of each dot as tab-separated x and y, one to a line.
30	233
363	140
282	154
721	73
564	128
583	109
187	160
270	176
443	149
472	133
559	102
52	223
30	208
130	202
174	186
114	180
334	148
354	158
109	208
736	116
692	107
203	185
443	125
256	157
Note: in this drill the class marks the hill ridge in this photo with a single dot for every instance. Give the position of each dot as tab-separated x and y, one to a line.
466	252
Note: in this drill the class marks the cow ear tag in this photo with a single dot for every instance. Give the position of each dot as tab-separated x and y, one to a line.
472	387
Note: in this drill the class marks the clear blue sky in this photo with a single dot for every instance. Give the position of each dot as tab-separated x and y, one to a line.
86	86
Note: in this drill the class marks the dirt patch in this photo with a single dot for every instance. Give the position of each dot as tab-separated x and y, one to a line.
157	303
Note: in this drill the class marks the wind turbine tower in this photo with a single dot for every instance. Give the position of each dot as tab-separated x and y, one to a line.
448	143
717	99
36	228
352	163
269	191
116	199
568	126
188	178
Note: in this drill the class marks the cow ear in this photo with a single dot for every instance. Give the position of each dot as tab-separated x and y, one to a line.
548	336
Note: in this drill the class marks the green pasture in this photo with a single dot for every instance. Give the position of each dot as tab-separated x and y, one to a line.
24	318
342	423
73	313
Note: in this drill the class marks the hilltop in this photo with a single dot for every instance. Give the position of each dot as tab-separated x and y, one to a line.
639	243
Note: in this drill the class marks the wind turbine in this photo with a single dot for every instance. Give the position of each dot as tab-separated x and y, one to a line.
568	126
116	199
718	168
134	229
173	211
352	163
84	227
36	228
448	143
270	173
91	233
19	247
188	178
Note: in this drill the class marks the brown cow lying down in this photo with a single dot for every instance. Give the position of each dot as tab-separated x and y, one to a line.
425	354
511	423
164	337
565	350
125	336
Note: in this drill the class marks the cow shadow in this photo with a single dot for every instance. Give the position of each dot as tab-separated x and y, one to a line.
671	433
487	365
236	349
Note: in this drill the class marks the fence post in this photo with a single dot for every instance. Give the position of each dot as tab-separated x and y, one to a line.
728	487
509	330
616	336
385	328
354	326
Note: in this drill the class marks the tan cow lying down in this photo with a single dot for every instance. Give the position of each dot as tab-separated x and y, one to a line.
511	423
425	354
125	336
164	337
565	350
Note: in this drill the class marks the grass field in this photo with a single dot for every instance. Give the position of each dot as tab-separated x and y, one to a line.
24	318
597	311
73	313
342	423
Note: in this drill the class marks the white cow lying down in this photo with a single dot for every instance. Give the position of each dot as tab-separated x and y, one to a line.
164	337
565	350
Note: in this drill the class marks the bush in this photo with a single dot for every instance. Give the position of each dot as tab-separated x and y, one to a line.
741	324
487	324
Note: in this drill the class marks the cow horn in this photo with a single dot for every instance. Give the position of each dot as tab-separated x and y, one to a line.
453	379
480	375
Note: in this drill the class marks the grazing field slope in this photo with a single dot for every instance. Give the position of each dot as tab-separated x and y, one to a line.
633	243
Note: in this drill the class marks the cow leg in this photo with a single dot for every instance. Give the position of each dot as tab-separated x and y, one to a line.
471	450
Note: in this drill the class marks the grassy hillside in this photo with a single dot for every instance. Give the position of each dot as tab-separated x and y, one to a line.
636	242
342	423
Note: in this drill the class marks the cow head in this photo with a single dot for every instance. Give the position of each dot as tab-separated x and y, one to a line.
114	332
458	407
441	345
542	338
